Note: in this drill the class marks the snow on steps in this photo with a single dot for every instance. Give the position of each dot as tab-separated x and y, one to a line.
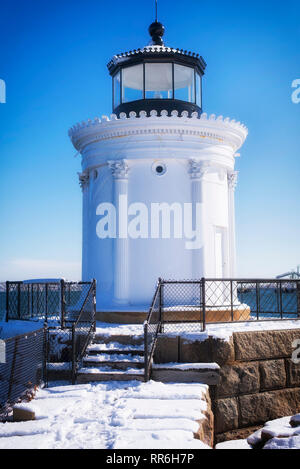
106	373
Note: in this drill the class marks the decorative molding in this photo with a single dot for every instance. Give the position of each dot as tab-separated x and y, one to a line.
232	180
220	132
84	179
198	168
119	169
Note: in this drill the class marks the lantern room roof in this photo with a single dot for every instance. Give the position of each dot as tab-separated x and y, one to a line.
156	52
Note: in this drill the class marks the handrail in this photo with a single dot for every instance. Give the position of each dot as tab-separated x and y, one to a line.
148	355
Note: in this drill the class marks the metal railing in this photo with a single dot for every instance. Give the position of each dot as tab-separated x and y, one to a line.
188	306
57	301
23	369
152	326
83	329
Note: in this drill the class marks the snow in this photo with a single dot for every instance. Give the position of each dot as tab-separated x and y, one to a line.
217	331
14	328
187	366
276	434
112	371
114	357
107	329
110	415
114	346
225	331
234	444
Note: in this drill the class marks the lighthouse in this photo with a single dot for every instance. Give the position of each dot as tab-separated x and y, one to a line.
158	179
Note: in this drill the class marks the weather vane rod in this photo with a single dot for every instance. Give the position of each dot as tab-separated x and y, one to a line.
156	10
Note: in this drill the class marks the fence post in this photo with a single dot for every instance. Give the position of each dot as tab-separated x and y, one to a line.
46	302
280	299
257	301
73	354
19	301
94	303
45	369
231	300
146	350
203	303
160	303
298	299
7	302
62	303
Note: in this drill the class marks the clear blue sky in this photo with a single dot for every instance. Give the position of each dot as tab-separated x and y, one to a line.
53	57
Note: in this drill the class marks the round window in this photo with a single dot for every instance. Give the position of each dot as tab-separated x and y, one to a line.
159	168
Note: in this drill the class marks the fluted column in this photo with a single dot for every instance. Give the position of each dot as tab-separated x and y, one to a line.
84	182
197	171
119	170
232	183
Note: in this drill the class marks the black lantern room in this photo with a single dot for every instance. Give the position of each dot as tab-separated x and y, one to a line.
157	78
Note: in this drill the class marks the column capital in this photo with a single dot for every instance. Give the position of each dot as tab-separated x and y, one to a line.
84	179
119	168
198	168
232	178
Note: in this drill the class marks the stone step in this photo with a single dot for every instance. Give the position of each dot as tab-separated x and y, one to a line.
116	347
123	339
121	361
205	373
86	375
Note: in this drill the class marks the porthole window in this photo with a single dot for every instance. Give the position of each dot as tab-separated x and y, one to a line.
159	168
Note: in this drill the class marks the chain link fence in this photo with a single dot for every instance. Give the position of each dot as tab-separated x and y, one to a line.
52	301
21	369
187	306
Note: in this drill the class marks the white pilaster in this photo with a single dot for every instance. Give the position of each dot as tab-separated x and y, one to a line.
232	183
119	170
84	182
198	169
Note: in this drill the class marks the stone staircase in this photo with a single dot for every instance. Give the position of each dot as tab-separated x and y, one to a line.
121	358
113	358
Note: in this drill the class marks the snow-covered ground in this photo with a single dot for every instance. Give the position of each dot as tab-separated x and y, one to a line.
218	331
13	328
283	433
111	415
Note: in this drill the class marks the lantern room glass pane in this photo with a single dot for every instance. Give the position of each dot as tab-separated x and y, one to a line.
117	89
198	90
158	81
184	83
132	83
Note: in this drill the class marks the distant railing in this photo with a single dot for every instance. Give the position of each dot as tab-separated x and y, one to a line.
187	306
57	301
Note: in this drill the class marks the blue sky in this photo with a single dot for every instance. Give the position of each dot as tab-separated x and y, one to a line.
53	58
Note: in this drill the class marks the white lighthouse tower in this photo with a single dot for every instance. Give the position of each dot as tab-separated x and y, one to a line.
158	179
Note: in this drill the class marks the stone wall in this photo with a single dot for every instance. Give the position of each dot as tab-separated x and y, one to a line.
258	380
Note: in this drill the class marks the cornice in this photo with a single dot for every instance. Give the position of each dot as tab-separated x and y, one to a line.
212	129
